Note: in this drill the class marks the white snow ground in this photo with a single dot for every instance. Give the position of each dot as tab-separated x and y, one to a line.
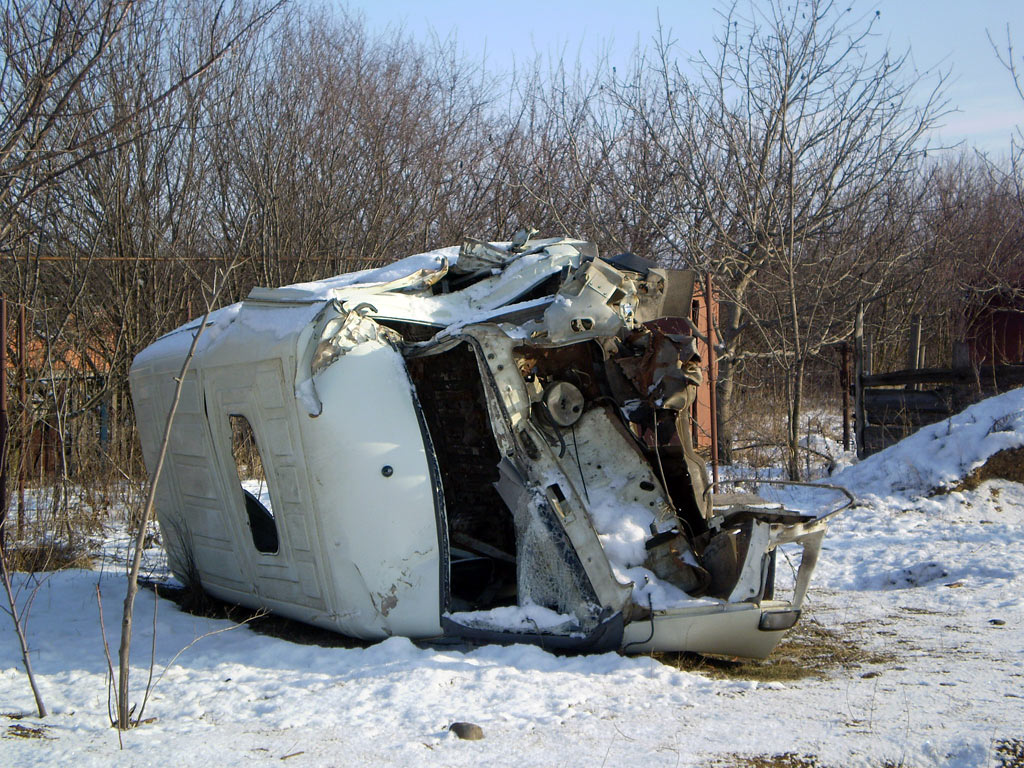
935	582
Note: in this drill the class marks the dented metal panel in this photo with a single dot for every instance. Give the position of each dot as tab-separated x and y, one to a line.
489	442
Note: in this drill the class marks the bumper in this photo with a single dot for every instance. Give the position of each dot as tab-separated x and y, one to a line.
729	629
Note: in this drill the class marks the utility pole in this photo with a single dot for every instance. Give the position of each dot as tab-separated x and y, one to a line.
712	395
844	383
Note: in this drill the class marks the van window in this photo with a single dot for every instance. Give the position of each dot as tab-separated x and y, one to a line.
253	480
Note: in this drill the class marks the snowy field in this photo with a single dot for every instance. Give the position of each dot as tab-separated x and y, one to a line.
926	581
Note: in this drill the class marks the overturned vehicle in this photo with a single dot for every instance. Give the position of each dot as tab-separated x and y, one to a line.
485	443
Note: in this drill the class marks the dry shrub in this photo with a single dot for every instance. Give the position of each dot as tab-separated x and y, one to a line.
758	426
36	558
759	431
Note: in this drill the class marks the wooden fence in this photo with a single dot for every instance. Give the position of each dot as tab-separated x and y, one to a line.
892	405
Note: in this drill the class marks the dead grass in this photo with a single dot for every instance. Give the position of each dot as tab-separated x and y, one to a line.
808	650
198	603
919	611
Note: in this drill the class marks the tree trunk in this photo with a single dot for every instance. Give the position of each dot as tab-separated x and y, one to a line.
793	431
729	317
19	630
725	388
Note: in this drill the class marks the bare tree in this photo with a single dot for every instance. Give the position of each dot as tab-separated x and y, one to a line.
124	708
793	132
971	230
55	108
1003	273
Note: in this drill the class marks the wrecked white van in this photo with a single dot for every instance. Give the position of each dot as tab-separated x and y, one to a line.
485	443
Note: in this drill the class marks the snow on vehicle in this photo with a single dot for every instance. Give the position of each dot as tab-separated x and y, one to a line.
481	443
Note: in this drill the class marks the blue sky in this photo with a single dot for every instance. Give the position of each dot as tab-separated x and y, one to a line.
946	34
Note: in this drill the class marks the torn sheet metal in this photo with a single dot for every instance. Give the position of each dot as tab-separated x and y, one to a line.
482	443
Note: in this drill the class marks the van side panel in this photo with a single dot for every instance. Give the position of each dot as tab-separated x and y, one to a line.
372	487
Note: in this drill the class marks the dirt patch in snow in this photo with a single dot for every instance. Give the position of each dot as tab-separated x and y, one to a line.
1005	465
1010	753
18	731
808	650
783	760
1007	753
